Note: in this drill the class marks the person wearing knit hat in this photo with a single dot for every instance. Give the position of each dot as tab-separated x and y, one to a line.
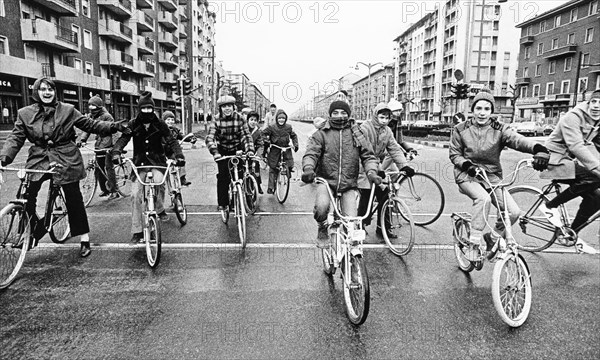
279	134
476	145
396	107
146	100
257	139
340	105
484	94
169	118
575	157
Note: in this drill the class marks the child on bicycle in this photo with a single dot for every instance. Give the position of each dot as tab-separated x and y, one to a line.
575	160
169	118
108	183
279	134
257	140
334	153
381	139
226	135
476	144
149	133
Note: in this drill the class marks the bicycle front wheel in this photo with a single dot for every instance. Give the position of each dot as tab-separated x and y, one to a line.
14	242
240	215
88	185
282	187
424	196
123	177
511	290
357	296
250	194
399	228
59	221
153	241
534	232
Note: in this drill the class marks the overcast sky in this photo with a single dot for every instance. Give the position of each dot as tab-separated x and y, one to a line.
290	49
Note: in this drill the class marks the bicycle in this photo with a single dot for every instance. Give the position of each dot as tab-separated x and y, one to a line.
151	224
174	189
236	196
511	279
90	183
539	233
423	195
250	185
282	185
346	237
16	236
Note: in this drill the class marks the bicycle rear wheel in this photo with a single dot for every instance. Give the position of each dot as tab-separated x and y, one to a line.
240	215
424	196
534	232
153	241
89	184
14	242
511	290
180	209
460	233
59	222
123	176
357	295
250	194
399	228
282	187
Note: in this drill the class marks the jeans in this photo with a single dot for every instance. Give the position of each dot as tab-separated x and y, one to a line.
363	204
107	183
137	197
223	179
322	203
273	174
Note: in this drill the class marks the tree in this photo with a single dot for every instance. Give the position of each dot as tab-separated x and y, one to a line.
239	101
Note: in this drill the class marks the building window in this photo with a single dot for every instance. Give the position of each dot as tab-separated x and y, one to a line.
540	48
552	67
557	21
2	11
573	16
523	92
77	64
529	30
589	35
550	88
555	43
87	39
565	86
585	60
75	29
85	7
542	26
568	63
570	39
507	54
89	68
583	84
593	9
3	45
527	53
538	70
536	90
525	72
598	82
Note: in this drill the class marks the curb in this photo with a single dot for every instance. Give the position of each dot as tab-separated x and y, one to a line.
431	143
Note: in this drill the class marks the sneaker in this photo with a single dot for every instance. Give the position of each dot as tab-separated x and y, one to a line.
221	208
489	244
184	181
473	253
163	216
137	238
114	195
260	190
270	191
322	237
551	214
85	249
104	194
390	235
583	247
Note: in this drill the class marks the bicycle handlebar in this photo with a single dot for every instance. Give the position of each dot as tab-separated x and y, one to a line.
170	164
282	148
320	180
523	163
185	137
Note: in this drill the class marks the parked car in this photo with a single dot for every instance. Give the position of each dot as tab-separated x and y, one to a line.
530	128
425	123
548	129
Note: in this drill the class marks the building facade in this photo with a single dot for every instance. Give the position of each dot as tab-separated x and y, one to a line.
559	61
368	91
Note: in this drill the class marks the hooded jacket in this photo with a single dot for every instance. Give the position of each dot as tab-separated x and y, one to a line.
51	130
567	143
335	154
280	135
102	142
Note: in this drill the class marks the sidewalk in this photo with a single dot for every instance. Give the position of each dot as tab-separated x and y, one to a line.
433	143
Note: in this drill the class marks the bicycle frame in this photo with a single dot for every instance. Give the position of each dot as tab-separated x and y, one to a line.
281	163
149	187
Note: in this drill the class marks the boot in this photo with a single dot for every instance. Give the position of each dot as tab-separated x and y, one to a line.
322	235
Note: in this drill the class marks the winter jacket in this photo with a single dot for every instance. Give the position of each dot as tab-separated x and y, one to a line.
280	135
148	149
257	140
102	142
567	144
228	134
52	134
481	145
335	154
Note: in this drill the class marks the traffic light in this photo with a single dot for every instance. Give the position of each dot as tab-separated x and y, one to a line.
187	87
176	88
463	91
455	91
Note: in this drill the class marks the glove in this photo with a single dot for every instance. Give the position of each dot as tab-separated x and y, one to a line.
295	149
80	143
374	178
541	157
308	176
412	151
4	162
496	125
194	139
180	161
250	153
408	171
469	168
217	156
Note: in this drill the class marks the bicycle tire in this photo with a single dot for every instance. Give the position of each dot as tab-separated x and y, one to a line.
461	230
123	178
401	224
282	186
512	290
357	295
328	254
240	215
426	202
153	241
58	227
180	209
533	232
15	233
250	194
89	185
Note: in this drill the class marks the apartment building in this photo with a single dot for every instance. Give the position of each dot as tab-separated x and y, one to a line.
474	37
559	61
370	90
111	48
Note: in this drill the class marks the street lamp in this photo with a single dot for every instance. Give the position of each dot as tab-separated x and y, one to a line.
369	66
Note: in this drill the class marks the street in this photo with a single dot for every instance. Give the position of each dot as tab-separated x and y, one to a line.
210	299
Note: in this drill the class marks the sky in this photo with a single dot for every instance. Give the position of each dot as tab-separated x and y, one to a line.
293	49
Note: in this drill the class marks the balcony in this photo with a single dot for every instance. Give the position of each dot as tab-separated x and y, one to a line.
168	59
145	45
168	5
115	30
183	2
167	20
117	59
143	68
183	17
523	80
182	49
120	7
167	40
526	40
567	50
144	4
182	32
63	7
167	78
47	33
144	21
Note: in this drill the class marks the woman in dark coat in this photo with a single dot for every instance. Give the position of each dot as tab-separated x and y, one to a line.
279	134
49	125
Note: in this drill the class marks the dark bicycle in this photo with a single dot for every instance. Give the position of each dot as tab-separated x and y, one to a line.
122	175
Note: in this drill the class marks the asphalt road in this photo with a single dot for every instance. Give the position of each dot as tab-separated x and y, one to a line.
210	299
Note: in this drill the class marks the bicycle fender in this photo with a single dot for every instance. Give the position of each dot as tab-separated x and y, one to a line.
527	267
